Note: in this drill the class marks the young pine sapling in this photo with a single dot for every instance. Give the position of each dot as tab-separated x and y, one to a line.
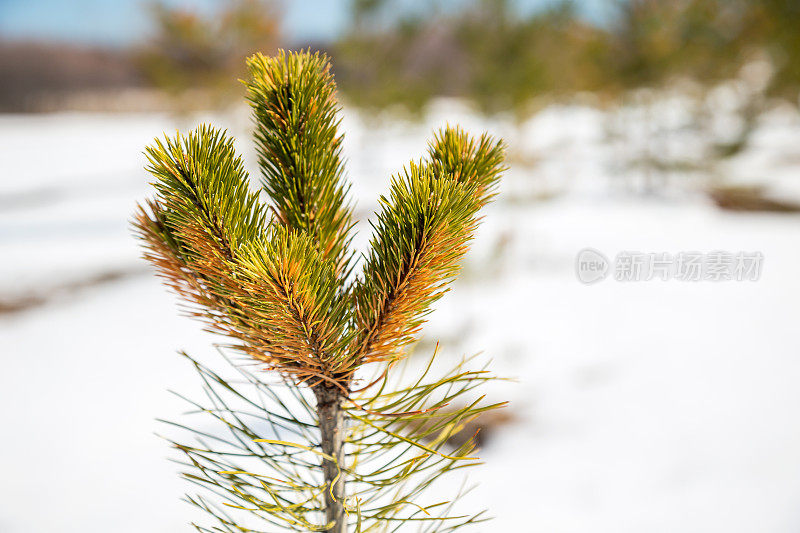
339	442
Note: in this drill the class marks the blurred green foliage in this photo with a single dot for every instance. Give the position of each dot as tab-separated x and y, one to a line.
779	25
503	60
193	51
652	42
490	52
485	52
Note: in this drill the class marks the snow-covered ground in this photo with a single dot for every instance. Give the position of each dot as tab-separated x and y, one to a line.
643	406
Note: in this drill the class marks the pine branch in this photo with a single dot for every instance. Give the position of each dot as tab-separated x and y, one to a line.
202	213
420	236
203	191
207	234
455	155
291	291
299	147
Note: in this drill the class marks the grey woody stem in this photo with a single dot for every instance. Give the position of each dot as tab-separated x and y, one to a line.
331	423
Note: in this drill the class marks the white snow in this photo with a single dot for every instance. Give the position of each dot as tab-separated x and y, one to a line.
643	406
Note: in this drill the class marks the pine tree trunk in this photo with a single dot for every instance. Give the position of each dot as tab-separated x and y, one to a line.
331	423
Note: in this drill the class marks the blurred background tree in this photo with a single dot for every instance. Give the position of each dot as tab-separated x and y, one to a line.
504	56
205	54
485	52
652	43
503	59
777	33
